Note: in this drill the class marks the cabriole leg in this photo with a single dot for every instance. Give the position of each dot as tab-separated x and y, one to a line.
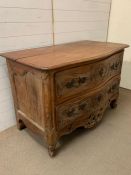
113	104
51	140
51	150
20	124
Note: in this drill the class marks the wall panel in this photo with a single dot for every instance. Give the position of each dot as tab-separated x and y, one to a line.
39	4
23	24
81	19
120	31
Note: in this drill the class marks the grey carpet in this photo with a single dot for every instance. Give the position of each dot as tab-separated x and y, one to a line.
105	150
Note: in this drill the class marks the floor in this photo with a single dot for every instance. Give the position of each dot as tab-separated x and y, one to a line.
105	150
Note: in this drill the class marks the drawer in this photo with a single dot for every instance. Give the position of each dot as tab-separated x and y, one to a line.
77	80
87	110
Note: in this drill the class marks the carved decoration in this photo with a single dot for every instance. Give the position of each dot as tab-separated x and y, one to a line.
72	82
89	110
76	82
53	99
75	110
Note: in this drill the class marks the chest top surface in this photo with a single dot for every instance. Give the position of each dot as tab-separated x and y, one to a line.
57	56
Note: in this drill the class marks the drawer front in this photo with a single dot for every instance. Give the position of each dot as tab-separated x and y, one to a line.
72	81
88	110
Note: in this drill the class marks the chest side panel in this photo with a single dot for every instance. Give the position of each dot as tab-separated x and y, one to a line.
28	87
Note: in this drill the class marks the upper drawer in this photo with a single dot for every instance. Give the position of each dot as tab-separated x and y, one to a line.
72	81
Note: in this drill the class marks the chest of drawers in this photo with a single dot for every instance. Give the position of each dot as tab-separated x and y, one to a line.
60	88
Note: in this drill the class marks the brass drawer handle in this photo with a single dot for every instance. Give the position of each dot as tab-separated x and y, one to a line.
76	82
71	112
115	66
113	88
82	106
99	98
101	72
74	111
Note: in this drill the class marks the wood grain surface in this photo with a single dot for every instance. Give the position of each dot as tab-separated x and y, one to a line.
80	81
66	54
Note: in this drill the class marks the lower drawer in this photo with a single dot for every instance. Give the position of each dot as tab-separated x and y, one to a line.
87	110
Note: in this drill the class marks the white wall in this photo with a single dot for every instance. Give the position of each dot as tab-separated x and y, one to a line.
23	24
81	20
28	23
120	31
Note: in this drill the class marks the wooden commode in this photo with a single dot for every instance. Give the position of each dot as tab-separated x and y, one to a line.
59	88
